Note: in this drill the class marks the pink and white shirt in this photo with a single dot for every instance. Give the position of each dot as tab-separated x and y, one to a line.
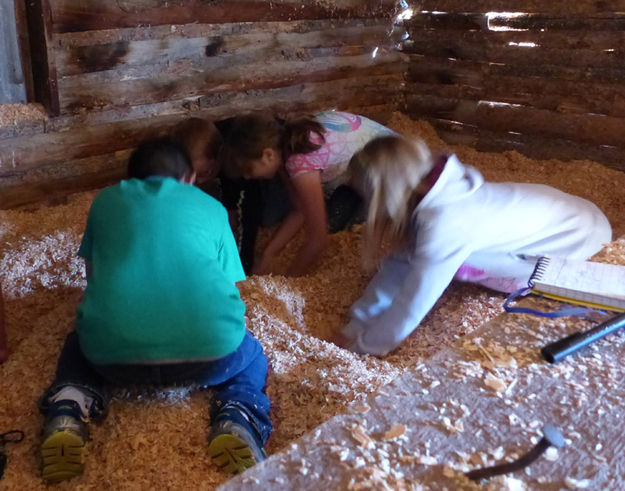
345	135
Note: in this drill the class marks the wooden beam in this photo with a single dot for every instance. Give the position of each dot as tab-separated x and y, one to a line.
498	22
77	56
43	66
35	151
88	15
103	90
452	71
52	187
553	95
487	48
579	7
21	19
587	128
22	128
533	146
588	39
97	171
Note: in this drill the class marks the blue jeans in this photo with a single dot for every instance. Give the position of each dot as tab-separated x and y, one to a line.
238	379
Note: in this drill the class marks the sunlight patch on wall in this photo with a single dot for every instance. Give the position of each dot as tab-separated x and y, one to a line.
405	14
492	16
497	104
523	44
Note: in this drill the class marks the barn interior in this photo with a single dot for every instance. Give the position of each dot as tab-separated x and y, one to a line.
525	91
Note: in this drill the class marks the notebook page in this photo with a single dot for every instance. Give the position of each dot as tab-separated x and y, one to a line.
582	280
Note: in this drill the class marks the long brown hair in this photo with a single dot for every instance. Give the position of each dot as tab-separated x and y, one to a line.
390	169
249	135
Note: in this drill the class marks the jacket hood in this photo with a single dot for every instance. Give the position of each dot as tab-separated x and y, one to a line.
456	182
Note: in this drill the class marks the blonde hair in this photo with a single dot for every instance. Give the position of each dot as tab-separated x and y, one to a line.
390	169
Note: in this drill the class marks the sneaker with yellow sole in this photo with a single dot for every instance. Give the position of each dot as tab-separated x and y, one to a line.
64	436
234	444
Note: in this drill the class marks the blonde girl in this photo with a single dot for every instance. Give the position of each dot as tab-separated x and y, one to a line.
311	154
431	220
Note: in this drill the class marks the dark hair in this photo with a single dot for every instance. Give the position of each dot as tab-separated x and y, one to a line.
160	157
249	135
193	130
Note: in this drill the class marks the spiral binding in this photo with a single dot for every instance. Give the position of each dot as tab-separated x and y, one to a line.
539	270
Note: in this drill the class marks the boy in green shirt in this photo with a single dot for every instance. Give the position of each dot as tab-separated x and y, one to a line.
161	308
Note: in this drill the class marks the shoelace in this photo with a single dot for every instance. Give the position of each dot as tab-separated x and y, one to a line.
13	436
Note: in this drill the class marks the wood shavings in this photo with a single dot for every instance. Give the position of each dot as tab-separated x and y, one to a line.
498	453
457	426
395	432
312	380
427	460
495	383
551	454
571	483
11	114
359	434
512	484
407	459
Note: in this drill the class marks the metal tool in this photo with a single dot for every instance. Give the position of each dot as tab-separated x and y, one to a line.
551	437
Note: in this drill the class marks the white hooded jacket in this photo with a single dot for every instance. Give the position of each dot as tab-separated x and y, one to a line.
499	229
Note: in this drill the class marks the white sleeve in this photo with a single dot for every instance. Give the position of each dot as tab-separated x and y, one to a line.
429	273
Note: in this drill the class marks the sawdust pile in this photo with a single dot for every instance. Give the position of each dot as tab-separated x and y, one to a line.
13	114
153	441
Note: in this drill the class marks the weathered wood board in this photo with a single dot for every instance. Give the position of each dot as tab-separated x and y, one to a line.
113	73
526	75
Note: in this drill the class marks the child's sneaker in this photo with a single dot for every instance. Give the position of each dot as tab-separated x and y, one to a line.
63	447
234	443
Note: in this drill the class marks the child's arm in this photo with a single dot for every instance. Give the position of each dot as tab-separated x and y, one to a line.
400	295
287	229
285	232
309	193
4	351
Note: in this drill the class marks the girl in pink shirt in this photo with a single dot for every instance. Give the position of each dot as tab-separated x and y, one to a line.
312	155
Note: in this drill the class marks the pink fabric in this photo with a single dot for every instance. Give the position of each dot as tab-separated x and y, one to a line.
345	134
479	276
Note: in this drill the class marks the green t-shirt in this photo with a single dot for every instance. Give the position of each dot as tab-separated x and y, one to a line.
163	269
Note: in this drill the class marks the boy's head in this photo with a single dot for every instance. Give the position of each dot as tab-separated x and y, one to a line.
202	141
160	157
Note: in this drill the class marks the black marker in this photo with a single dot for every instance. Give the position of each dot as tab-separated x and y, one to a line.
555	352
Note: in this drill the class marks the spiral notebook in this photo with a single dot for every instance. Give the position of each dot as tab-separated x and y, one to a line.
598	285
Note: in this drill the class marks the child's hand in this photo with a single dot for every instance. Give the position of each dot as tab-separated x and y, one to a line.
341	341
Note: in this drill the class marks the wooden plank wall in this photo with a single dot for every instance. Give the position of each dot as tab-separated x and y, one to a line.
117	72
544	78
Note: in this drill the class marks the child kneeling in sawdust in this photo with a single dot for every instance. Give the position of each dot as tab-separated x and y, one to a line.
247	201
161	308
442	221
